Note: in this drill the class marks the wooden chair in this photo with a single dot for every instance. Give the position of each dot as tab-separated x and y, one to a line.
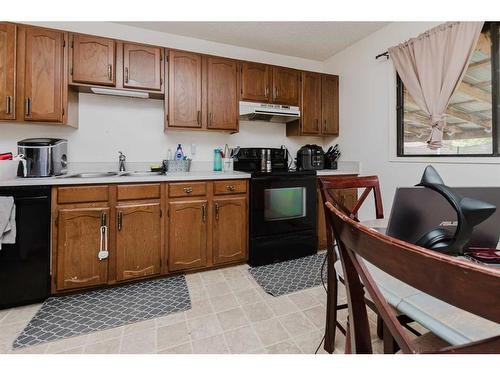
329	187
449	279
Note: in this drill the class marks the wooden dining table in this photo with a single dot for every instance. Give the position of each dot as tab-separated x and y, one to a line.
448	322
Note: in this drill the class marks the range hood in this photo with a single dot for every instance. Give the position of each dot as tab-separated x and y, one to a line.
268	112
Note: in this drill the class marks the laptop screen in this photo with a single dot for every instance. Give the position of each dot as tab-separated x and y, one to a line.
417	210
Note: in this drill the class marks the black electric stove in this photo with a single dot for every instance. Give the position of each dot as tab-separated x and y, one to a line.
282	208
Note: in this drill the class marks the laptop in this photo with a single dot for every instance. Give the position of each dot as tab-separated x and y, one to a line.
417	210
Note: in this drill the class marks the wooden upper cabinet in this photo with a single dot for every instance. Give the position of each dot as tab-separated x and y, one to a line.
138	240
43	75
230	229
187	234
142	67
286	86
255	82
311	103
7	71
79	240
184	92
329	104
93	60
222	93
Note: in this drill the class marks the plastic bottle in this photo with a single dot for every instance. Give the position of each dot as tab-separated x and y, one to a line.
217	160
179	155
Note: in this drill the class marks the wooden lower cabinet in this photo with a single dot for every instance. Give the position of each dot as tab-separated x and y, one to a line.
79	239
230	229
187	234
207	229
138	240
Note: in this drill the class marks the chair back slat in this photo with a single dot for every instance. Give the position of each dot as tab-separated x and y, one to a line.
329	184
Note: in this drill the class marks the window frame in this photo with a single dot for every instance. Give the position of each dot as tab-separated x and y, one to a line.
494	28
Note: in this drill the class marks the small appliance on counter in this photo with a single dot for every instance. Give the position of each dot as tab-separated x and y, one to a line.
43	157
331	157
310	158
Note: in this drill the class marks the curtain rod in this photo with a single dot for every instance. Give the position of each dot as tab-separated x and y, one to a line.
385	54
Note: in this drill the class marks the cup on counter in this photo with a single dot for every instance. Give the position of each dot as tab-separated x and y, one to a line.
227	164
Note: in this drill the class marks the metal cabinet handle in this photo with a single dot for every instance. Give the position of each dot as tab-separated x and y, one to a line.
104	219
325	127
110	72
188	190
267	91
217	211
8	110
27	106
120	220
231	187
210	118
317	125
198	117
277	92
126	75
204	212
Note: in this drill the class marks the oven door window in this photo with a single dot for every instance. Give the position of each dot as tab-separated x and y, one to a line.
284	203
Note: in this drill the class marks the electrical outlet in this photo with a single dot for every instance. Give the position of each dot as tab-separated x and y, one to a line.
193	149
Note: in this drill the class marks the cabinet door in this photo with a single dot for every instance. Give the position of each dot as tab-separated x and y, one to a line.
79	240
184	92
286	86
141	67
230	229
93	60
222	93
330	105
138	240
43	80
187	234
7	70
311	103
255	82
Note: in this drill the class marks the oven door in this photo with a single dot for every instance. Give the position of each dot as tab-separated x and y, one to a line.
282	204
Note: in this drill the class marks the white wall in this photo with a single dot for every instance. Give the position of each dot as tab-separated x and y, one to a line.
368	117
135	126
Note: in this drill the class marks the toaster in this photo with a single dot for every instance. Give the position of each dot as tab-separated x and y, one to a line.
43	157
310	157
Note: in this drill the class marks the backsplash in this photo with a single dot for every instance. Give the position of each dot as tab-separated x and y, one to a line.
110	124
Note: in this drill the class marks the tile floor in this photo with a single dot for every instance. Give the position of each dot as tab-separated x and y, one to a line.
230	314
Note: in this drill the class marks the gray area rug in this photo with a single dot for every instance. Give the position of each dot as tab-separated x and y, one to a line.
78	314
290	276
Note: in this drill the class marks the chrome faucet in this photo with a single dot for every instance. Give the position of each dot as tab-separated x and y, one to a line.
121	161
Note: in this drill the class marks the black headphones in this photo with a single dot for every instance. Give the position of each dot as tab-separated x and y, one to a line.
470	212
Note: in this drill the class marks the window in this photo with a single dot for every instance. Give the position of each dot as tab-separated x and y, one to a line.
471	119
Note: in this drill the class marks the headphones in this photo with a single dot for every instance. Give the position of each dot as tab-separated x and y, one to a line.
470	212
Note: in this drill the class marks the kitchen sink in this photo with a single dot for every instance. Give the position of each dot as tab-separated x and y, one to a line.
111	174
140	173
90	175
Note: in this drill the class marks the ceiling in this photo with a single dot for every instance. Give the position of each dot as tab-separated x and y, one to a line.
310	40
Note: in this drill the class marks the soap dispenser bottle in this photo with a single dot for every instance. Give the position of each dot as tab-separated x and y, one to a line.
179	154
217	160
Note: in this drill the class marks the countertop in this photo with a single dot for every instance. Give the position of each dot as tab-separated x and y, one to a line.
345	168
169	177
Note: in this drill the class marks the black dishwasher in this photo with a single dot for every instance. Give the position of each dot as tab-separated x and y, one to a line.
25	265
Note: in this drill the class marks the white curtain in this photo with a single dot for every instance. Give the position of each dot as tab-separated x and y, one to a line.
432	66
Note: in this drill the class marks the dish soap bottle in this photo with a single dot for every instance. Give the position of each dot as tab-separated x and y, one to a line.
217	160
179	155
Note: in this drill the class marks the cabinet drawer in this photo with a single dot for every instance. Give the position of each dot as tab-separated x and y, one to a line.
185	189
138	191
230	187
82	194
